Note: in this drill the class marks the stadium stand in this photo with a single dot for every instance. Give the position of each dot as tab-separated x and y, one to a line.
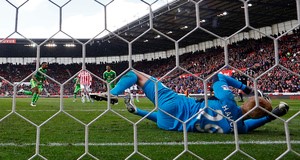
241	55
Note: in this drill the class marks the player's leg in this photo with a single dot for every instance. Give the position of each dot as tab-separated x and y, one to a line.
82	93
166	97
28	92
40	89
76	90
278	111
135	77
75	95
135	92
240	93
170	105
88	91
34	89
47	93
127	91
34	96
125	82
137	96
132	108
86	94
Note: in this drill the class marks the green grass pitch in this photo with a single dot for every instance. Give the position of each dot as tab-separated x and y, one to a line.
111	133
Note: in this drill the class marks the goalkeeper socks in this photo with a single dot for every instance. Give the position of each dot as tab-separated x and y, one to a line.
75	96
125	82
27	92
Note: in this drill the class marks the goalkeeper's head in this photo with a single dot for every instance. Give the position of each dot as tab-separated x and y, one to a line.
257	112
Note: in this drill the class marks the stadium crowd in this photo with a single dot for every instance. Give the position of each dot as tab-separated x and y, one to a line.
256	56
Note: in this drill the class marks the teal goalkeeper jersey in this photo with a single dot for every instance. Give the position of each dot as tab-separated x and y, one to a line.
218	117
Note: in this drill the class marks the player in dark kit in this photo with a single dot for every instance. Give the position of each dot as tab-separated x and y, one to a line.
244	79
218	117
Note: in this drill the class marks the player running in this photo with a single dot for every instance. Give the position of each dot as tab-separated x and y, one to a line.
218	117
36	84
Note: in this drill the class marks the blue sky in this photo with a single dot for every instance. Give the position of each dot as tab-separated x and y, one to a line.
80	18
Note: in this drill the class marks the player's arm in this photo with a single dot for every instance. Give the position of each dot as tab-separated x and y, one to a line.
34	78
232	82
76	82
104	75
46	82
91	80
115	76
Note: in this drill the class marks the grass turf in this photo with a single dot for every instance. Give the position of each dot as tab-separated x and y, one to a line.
111	133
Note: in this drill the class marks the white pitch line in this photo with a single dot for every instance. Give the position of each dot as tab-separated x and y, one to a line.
148	143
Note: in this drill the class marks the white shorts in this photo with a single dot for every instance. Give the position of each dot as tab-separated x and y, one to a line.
85	87
134	88
127	90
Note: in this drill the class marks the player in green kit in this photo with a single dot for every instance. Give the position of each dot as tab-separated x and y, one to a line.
110	75
76	87
36	84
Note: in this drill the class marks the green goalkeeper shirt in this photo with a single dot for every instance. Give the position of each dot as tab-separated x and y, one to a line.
109	76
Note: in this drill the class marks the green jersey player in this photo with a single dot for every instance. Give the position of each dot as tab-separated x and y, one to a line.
76	87
109	75
36	84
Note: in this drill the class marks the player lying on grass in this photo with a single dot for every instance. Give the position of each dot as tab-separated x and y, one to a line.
218	117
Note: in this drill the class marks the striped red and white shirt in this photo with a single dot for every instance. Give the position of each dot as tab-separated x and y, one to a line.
85	78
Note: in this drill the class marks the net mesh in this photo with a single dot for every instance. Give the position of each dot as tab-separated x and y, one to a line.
186	144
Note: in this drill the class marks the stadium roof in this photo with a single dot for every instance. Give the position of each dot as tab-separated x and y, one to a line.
174	21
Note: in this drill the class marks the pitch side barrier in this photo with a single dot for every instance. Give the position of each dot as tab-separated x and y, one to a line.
294	95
